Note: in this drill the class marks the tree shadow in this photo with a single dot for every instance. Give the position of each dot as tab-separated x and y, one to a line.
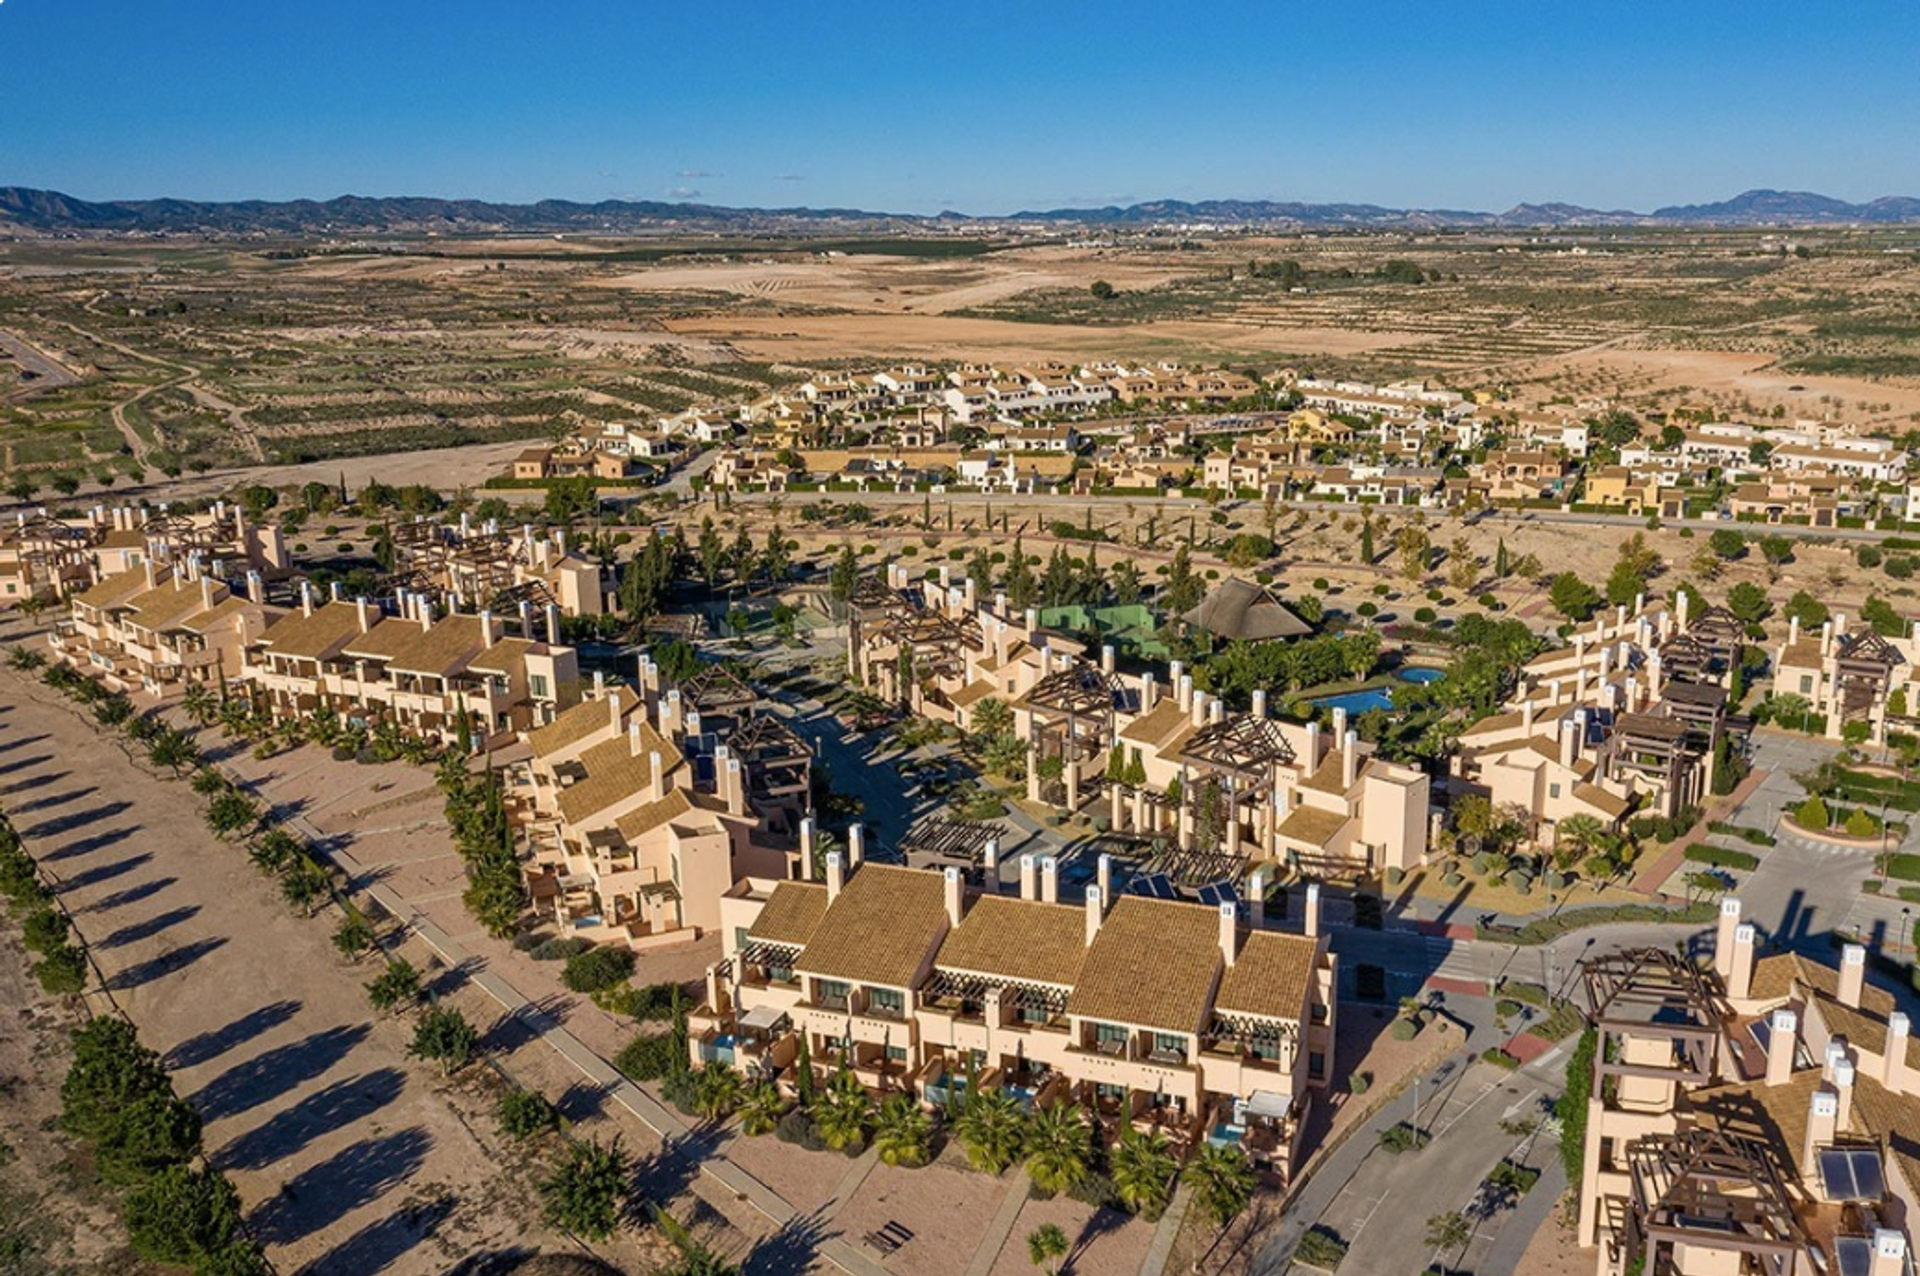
132	895
167	963
274	1072
322	1194
22	742
52	800
32	781
793	1248
581	1100
322	1112
75	819
91	843
1101	1222
510	1262
208	1046
37	759
134	932
376	1246
104	872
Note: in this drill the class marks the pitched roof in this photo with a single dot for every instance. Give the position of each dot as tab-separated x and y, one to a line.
1311	825
316	636
1237	608
1152	965
1023	940
881	927
1270	978
642	820
791	913
114	590
1157	724
1777	1115
582	720
616	771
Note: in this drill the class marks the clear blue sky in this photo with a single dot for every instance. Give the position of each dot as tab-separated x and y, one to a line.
978	106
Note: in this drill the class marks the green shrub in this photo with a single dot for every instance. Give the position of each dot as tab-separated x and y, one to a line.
1500	1059
1359	1083
1452	879
1404	1029
598	968
1402	1138
559	948
1720	857
524	1114
1752	837
1321	1247
649	1057
1812	814
1862	824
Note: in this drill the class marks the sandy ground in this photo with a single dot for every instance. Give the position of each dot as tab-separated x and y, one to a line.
804	338
1724	374
350	1157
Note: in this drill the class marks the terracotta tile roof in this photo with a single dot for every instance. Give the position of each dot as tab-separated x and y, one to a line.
389	634
616	772
642	820
1328	778
441	649
1777	1116
114	590
1311	825
1018	939
507	656
1271	978
1158	724
974	692
221	613
791	913
315	637
1804	654
581	721
158	608
1600	800
881	928
1153	965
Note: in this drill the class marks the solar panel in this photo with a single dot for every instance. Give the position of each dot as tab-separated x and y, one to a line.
1851	1174
1154	886
1853	1255
1217	893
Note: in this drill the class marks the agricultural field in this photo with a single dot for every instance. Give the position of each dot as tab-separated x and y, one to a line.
192	356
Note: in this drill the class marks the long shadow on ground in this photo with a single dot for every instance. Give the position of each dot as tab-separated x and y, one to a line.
211	1045
323	1194
167	963
134	932
75	819
131	895
91	843
272	1073
322	1112
105	872
791	1249
375	1247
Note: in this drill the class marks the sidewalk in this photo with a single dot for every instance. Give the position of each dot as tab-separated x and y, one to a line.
1655	875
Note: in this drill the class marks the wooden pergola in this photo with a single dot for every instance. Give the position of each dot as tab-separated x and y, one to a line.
1656	993
1705	1189
948	839
1863	669
777	762
1071	711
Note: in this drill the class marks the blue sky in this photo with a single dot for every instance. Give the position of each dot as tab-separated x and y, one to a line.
983	107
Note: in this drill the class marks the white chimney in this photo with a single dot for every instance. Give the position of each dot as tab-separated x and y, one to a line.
1889	1253
1350	760
658	771
990	864
1310	913
836	876
806	849
1823	1122
1259	702
1339	723
736	788
1257	898
1093	913
306	593
1199	713
1103	875
1229	935
856	844
1049	879
1107	659
1149	692
1312	761
1843	1075
1899	1030
1183	693
1723	937
1526	715
1783	1033
1740	981
1029	878
953	895
633	738
1853	974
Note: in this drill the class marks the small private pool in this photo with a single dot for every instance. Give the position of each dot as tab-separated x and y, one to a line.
1355	702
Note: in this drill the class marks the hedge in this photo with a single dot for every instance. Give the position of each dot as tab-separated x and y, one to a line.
1720	857
1906	868
1753	837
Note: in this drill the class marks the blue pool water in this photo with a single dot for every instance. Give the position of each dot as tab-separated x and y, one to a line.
1362	701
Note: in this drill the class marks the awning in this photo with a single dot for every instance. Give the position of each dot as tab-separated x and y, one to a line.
763	1018
1265	1103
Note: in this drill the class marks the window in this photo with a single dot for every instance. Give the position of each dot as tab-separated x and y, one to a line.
887	1001
1806	684
1317	1065
1553	790
1110	1038
1319	1012
830	992
896	1054
1105	1091
740	940
1032	1014
537	685
1266	1048
1170	1043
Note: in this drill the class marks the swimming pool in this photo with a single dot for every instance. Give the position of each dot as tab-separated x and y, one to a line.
1378	697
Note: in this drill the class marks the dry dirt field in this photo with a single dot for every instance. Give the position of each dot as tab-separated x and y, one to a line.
216	354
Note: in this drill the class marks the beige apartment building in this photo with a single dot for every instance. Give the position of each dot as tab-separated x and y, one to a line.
156	629
422	672
49	558
1761	1115
642	808
1166	762
1850	675
1154	1014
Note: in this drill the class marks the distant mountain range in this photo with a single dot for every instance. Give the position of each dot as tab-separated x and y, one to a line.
40	212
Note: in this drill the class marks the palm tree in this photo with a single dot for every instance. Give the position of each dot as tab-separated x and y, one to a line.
903	1134
199	704
1791	707
1143	1169
717	1092
1223	1180
1575	837
992	1128
1057	1146
1047	1244
761	1108
1449	1233
841	1113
